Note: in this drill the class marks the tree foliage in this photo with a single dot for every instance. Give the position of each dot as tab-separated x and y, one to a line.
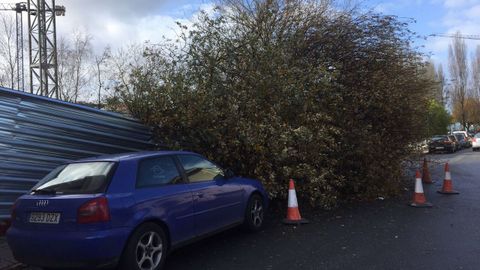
289	89
458	64
470	111
8	57
438	119
73	73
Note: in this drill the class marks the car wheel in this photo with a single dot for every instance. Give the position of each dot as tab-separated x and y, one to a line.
146	249
254	215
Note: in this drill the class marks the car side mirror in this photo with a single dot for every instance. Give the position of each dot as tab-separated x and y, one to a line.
229	174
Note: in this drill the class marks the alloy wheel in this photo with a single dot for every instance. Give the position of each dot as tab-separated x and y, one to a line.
149	251
257	213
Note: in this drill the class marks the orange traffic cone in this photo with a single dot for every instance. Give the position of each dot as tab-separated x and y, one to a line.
419	199
447	183
293	214
426	178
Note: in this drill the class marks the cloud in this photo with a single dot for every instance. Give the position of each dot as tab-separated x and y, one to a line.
116	23
459	3
384	7
391	7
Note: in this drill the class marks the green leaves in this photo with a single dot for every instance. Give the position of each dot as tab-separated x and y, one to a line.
438	119
278	90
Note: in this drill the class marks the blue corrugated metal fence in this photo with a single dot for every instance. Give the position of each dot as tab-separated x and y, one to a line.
38	133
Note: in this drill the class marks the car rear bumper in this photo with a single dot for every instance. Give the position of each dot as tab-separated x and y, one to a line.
90	249
441	148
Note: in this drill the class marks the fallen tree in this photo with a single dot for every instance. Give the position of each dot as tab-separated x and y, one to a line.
289	89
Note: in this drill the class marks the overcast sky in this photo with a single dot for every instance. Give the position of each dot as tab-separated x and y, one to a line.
119	22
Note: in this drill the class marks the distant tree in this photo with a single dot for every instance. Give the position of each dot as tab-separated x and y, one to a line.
120	67
476	73
430	73
99	68
74	57
438	119
65	70
435	74
442	89
471	110
8	63
458	66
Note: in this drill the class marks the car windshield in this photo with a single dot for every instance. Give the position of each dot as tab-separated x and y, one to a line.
439	138
460	137
76	178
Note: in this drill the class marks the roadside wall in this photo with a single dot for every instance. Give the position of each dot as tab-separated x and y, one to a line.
37	134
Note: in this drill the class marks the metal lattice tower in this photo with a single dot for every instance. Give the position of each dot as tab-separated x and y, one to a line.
43	46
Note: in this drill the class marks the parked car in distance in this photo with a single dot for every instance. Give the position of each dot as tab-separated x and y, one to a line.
441	143
456	142
461	132
463	141
476	142
467	137
129	210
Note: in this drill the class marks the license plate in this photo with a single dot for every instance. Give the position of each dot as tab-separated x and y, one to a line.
439	147
45	218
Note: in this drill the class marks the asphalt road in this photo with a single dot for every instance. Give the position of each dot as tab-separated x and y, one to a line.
385	234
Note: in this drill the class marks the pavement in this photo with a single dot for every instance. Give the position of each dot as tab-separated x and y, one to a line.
384	234
6	258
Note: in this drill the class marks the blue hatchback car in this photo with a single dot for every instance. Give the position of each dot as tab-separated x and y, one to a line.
129	210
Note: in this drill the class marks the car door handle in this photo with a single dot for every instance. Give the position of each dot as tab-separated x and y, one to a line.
198	194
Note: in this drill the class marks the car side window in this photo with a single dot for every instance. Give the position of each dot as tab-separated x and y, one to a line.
157	171
199	169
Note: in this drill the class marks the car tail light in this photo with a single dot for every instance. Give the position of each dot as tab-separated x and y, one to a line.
93	211
474	139
447	142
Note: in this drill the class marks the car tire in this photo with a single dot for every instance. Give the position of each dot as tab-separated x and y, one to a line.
254	214
147	246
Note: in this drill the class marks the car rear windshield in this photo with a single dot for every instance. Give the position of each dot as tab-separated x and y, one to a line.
477	135
76	178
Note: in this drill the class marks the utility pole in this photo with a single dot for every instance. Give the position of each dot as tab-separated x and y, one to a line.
19	9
